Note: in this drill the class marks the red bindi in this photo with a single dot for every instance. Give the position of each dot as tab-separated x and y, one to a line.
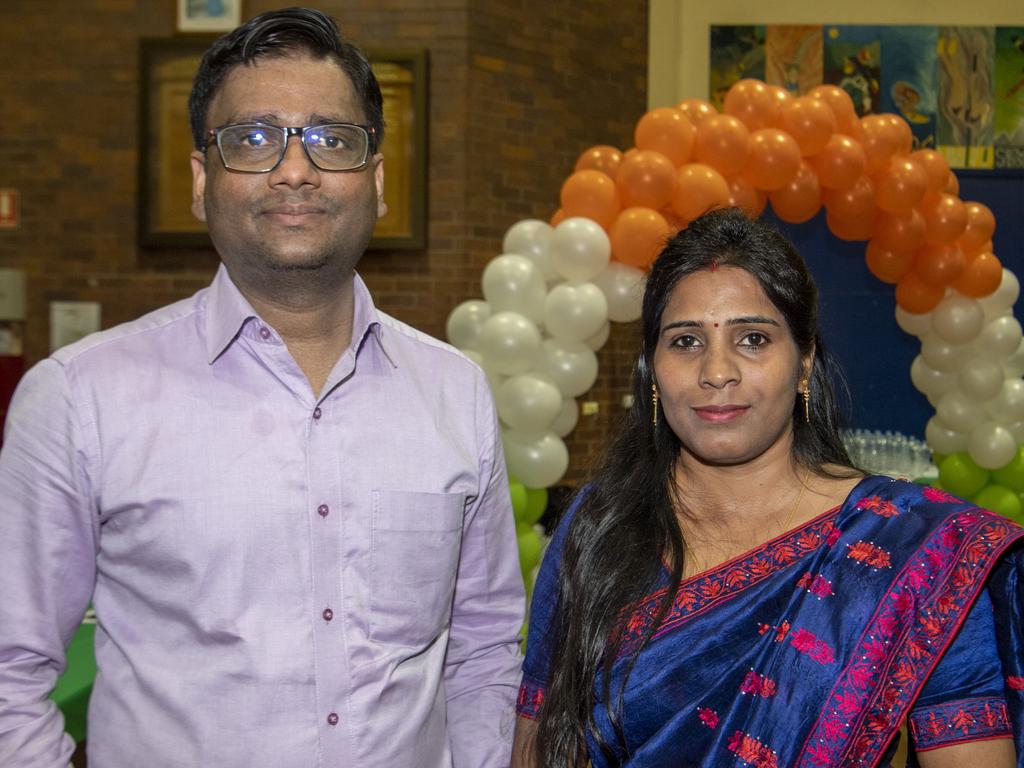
716	325
713	266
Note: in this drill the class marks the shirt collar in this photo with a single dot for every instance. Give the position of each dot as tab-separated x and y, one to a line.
227	312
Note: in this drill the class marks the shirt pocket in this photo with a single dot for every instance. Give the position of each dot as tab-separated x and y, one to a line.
414	549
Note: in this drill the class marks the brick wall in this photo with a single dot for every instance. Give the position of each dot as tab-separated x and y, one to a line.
517	90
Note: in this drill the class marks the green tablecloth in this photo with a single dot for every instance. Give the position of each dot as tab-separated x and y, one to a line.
75	685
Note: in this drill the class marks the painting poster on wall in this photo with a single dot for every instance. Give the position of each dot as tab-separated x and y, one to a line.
736	52
853	56
793	56
909	79
966	58
1009	98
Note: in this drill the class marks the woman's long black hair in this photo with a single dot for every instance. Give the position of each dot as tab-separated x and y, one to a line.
626	523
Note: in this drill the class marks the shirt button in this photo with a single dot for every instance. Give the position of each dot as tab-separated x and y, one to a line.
317	413
264	333
332	719
323	510
328	614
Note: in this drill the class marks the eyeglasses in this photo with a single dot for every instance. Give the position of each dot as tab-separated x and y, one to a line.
260	148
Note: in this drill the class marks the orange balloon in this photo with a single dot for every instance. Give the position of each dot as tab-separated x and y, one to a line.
800	199
854	202
849	229
646	179
840	163
881	141
939	265
723	142
697	110
557	217
666	130
782	98
591	194
901	187
900	231
980	277
981	224
675	222
935	166
952	184
774	159
638	236
743	195
810	122
752	102
901	133
888	266
602	158
916	296
699	189
841	104
945	218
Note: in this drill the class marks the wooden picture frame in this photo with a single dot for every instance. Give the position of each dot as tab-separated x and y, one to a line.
167	68
209	15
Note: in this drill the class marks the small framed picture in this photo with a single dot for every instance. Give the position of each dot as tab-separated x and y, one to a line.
209	15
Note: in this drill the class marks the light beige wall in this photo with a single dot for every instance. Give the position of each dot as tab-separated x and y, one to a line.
678	46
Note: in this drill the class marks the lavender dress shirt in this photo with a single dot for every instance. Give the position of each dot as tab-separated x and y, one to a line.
280	579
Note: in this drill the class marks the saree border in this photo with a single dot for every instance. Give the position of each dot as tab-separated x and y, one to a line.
906	636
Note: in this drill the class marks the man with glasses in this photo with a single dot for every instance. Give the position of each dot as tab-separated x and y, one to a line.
289	510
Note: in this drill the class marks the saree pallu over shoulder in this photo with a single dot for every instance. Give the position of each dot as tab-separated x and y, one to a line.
812	649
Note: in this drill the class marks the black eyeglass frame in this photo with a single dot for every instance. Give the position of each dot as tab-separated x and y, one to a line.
214	134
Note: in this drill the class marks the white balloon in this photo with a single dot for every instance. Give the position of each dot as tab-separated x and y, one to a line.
940	355
575	312
532	238
929	381
942	439
915	325
991	445
1000	338
957	319
465	322
1003	298
567	418
509	343
538	462
600	338
512	283
623	287
1008	406
1017	430
1014	364
981	378
580	249
960	412
571	365
528	404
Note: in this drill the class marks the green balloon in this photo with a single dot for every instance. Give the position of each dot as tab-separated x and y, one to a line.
961	476
530	546
938	458
999	499
520	499
1012	475
536	503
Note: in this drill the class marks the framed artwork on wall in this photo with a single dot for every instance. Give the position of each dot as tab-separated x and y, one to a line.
209	15
165	220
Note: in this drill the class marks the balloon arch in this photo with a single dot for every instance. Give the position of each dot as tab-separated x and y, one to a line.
549	296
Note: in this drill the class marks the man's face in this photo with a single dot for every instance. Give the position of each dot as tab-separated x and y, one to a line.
296	217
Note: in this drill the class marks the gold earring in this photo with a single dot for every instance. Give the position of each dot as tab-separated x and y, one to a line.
654	403
806	386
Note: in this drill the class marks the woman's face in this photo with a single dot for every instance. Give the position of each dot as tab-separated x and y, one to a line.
727	368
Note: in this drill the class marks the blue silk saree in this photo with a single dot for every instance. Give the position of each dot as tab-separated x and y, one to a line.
903	606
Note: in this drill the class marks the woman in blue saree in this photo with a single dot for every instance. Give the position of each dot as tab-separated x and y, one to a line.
730	590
